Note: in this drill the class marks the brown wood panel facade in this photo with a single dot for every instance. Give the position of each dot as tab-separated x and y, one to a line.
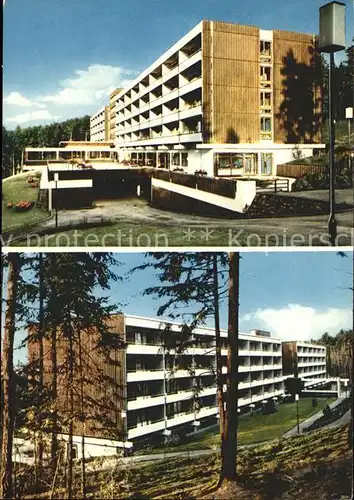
230	83
289	358
103	382
296	96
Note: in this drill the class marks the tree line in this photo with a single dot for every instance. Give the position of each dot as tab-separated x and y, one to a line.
15	141
343	80
339	353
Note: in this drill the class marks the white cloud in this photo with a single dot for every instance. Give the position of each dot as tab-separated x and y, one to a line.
298	322
89	85
16	99
32	116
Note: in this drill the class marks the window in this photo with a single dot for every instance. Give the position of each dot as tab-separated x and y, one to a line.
266	127
267	163
184	159
265	76
266	99
265	49
175	159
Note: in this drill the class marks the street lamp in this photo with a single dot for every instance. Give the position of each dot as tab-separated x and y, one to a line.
346	388
297	412
349	117
332	39
56	178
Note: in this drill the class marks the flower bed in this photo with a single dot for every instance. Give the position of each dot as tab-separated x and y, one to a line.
23	206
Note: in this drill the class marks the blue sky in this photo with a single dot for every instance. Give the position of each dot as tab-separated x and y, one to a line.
286	292
292	294
63	57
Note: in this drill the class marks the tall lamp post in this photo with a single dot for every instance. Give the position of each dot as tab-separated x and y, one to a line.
56	178
349	117
297	412
332	39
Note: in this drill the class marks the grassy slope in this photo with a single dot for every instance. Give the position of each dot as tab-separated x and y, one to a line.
317	464
15	190
255	428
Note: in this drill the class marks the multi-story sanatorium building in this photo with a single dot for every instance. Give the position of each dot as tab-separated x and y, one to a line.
148	393
228	99
99	125
304	359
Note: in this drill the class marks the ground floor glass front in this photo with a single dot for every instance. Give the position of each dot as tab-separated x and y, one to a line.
239	164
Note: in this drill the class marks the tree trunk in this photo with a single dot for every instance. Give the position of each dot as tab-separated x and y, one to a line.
229	452
54	371
9	383
219	378
83	469
69	487
83	423
39	463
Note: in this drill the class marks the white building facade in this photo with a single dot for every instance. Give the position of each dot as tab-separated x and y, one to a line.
181	112
160	394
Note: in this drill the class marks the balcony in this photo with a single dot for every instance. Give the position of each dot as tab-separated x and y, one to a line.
192	59
188	112
142	375
146	402
142	430
144	349
181	418
195	84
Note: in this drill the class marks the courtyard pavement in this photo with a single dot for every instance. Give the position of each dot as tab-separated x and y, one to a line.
138	212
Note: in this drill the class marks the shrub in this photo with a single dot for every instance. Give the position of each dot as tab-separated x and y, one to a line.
321	180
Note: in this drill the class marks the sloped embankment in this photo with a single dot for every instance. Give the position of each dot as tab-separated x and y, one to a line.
272	205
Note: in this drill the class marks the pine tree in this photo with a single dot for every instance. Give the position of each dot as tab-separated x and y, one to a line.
8	375
190	282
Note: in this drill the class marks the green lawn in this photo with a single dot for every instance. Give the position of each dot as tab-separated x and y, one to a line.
254	428
15	190
143	235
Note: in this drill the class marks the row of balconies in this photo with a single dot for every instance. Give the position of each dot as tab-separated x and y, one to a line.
140	375
247	358
139	402
308	373
311	350
311	363
159	121
164	99
144	428
151	82
168	108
